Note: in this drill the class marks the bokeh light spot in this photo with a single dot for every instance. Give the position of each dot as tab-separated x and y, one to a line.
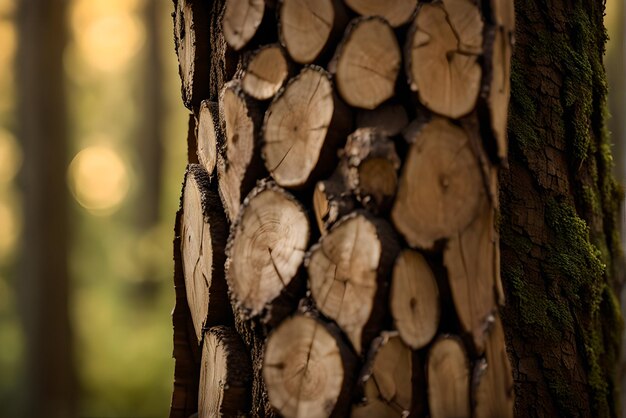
98	179
108	34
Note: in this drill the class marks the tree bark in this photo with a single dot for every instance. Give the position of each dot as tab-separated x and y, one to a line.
559	216
398	306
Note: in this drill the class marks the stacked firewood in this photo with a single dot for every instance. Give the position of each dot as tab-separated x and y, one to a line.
336	246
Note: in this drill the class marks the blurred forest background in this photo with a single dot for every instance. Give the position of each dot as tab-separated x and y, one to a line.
92	153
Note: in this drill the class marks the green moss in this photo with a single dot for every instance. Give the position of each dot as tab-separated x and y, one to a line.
576	265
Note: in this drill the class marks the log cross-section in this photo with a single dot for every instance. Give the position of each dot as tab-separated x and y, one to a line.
266	72
202	246
266	248
209	136
307	369
302	128
441	185
371	168
239	164
470	259
367	63
414	299
448	377
225	375
347	271
442	53
388	379
306	27
241	20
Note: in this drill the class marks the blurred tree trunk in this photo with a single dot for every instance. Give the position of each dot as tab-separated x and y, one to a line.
49	387
150	138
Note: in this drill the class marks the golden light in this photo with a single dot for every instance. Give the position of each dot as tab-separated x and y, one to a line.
6	7
10	227
98	179
10	157
8	39
108	33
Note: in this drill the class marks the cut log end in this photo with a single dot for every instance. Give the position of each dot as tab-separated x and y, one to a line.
238	163
209	135
266	72
331	201
225	375
448	379
266	248
371	168
441	186
299	123
414	299
202	246
304	369
500	90
442	56
345	268
396	12
242	18
305	27
494	394
388	387
469	258
191	41
367	63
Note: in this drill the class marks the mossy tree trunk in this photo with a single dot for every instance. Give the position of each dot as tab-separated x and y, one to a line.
557	213
558	220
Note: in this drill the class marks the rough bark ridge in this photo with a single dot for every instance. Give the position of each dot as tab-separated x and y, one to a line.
558	216
352	150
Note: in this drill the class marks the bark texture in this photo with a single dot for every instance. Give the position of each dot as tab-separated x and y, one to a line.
389	141
558	216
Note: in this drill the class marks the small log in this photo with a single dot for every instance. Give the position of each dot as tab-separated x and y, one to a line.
265	251
389	119
371	168
210	135
332	200
493	385
448	379
387	379
442	52
348	269
367	63
266	72
191	40
441	187
241	20
307	27
469	258
396	12
307	369
303	127
202	244
185	343
225	375
500	89
414	299
239	164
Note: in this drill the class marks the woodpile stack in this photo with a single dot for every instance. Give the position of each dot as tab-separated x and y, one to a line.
336	245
